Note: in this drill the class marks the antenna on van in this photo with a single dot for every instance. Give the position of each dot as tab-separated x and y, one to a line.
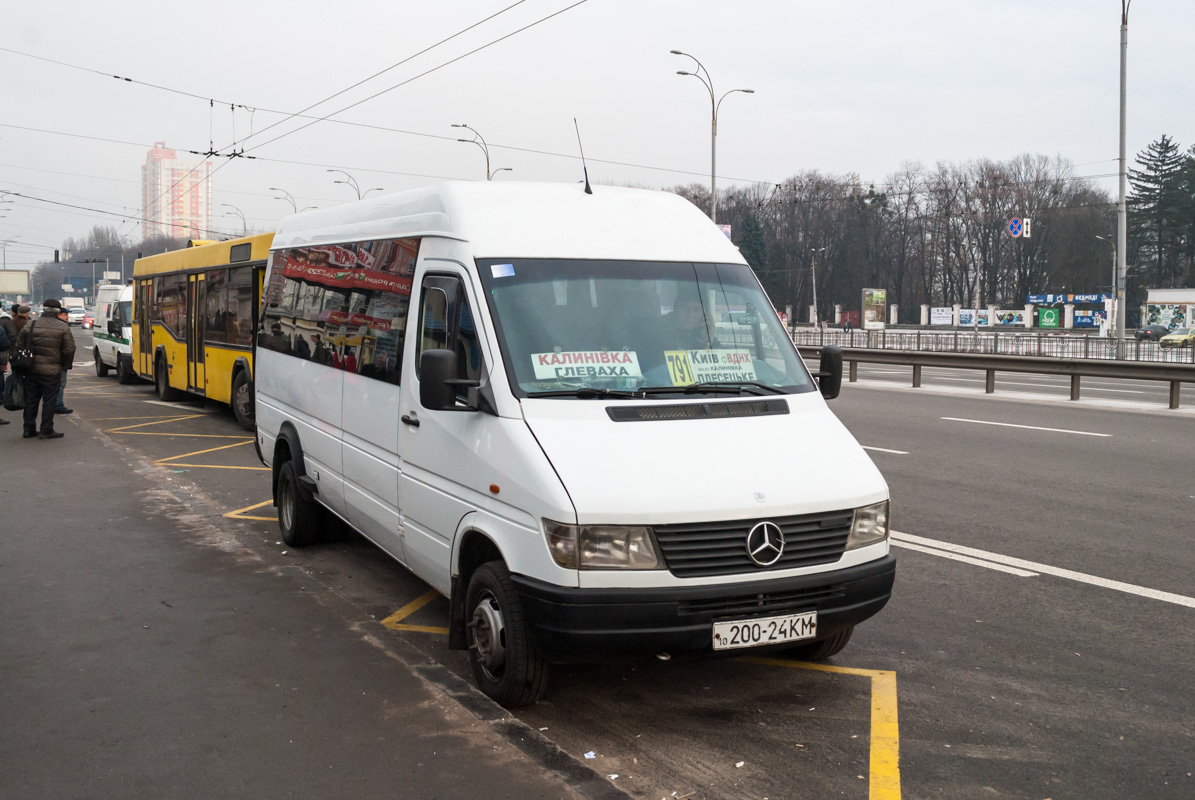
582	149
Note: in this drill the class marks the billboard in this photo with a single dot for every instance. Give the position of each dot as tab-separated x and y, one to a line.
875	309
1050	299
1049	318
941	316
966	317
1172	315
1010	316
1090	318
14	281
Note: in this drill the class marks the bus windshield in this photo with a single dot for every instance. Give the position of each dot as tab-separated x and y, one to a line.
593	328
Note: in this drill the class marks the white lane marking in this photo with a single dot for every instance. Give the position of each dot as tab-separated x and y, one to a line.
1026	427
1046	569
190	409
956	557
884	450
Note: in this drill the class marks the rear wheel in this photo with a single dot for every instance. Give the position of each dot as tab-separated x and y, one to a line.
505	665
825	648
101	369
162	387
298	517
242	400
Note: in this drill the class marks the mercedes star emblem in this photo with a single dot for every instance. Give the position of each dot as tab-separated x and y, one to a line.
765	543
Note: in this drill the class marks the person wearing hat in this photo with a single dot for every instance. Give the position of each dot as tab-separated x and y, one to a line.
60	404
53	346
8	340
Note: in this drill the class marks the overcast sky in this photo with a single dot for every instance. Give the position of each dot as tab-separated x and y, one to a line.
849	86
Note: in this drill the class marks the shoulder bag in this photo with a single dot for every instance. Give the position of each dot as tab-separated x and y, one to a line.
22	357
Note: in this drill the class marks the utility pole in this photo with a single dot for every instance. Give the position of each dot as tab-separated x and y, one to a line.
1122	224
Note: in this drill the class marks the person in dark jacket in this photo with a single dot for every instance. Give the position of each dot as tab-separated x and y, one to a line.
53	347
60	405
8	338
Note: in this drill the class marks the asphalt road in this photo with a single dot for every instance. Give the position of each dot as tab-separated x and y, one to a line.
1038	644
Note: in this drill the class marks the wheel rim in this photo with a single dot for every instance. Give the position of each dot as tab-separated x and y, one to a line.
489	635
285	512
243	407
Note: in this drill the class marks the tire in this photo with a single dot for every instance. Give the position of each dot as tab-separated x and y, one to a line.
124	370
816	651
166	393
299	518
101	369
506	666
242	400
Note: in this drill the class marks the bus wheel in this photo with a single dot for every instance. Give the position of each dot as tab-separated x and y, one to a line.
165	391
242	400
505	664
101	369
298	518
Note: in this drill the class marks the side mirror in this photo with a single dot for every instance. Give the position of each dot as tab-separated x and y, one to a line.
829	374
438	383
114	328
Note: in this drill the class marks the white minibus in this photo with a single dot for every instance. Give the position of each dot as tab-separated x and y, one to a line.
567	445
113	332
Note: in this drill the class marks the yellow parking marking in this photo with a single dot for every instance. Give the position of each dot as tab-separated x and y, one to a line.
201	452
884	783
160	420
240	512
394	621
118	419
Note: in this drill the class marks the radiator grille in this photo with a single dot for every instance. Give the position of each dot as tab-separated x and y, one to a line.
720	548
754	408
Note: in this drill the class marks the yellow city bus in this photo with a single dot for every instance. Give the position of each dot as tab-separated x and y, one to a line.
194	317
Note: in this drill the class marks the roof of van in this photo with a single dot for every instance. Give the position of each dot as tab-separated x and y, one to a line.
511	219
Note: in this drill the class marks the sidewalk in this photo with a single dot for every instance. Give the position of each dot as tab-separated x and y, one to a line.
144	653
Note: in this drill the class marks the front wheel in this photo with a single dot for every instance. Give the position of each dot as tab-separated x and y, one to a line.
505	665
242	400
298	517
101	369
816	651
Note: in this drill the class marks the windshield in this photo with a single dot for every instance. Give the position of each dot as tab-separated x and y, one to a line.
573	327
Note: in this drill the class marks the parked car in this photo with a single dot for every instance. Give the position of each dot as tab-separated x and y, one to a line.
1152	333
75	315
1179	337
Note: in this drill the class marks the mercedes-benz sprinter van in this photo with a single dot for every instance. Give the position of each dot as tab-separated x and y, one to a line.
521	392
113	332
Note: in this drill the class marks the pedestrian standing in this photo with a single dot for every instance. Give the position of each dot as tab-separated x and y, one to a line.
60	408
8	339
53	347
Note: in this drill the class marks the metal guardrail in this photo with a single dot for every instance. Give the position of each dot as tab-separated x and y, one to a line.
1076	368
995	342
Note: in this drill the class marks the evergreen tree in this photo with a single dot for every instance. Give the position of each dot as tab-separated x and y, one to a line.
751	242
1155	210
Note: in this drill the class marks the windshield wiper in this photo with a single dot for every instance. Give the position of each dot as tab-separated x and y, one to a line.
738	386
590	393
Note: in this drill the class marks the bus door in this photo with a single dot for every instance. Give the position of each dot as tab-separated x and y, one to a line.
196	309
145	329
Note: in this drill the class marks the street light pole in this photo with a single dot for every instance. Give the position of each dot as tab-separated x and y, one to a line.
239	213
1121	216
813	274
352	183
479	140
715	104
1115	279
288	198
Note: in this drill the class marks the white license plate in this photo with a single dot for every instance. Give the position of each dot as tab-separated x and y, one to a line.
768	630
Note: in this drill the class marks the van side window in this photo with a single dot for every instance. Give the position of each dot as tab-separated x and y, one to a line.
343	306
446	323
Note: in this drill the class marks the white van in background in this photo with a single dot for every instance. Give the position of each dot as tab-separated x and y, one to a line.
521	392
113	332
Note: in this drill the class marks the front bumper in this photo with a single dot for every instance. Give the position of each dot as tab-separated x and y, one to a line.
600	624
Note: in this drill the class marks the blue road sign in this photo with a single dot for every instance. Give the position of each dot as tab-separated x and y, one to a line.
1014	227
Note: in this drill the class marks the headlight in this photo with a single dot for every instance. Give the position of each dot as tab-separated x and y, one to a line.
870	526
602	546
